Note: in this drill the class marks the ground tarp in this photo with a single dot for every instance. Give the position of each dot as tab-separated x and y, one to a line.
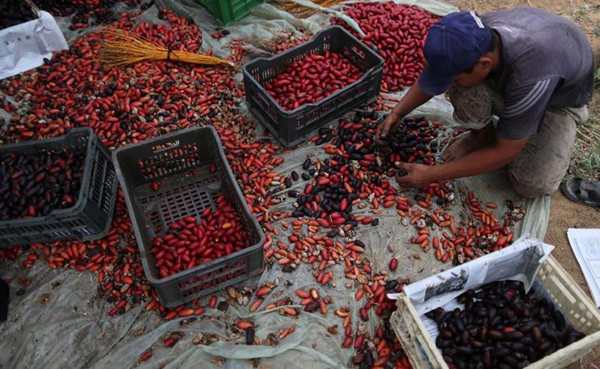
72	328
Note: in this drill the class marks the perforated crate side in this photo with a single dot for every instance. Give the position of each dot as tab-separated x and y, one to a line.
211	277
103	180
102	189
413	336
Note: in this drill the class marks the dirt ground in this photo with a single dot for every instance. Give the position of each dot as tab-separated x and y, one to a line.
564	214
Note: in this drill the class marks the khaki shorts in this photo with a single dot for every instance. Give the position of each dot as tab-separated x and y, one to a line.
540	167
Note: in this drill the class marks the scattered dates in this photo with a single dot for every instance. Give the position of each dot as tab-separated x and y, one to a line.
83	11
355	170
312	79
382	351
413	142
74	90
357	175
501	327
13	12
398	34
34	184
188	243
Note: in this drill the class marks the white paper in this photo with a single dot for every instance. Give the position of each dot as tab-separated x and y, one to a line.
586	246
24	46
520	261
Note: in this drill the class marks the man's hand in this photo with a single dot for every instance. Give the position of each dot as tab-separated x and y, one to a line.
388	126
412	100
417	175
471	141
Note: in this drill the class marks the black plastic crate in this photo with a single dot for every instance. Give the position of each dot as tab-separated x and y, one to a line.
180	162
90	217
292	127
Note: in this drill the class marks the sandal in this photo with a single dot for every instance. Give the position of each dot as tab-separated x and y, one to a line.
577	190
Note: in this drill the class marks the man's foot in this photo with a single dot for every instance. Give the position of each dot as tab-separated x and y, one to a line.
459	148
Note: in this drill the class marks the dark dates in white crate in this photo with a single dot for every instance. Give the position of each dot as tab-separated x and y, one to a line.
501	327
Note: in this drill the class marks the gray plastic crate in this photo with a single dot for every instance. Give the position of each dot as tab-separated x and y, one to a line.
292	127
180	162
90	217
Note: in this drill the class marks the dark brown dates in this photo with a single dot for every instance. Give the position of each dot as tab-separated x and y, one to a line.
501	327
36	183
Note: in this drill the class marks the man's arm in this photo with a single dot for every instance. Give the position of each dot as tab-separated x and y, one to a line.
414	98
486	159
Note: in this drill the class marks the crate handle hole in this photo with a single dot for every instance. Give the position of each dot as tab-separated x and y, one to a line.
358	52
165	146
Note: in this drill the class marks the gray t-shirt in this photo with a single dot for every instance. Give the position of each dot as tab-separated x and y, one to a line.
547	62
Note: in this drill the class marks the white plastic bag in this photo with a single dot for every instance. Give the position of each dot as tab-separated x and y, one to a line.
26	45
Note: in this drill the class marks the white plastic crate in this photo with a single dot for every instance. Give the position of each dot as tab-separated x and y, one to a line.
580	311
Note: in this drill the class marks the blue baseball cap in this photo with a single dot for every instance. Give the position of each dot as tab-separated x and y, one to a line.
453	45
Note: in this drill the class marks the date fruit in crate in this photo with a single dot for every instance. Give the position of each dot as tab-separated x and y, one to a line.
188	243
34	184
312	79
501	327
